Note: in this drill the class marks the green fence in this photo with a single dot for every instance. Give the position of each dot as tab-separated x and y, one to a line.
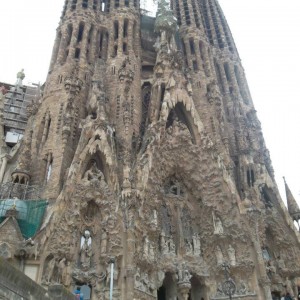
30	214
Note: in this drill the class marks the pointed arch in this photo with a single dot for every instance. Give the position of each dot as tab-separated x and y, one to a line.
180	113
98	151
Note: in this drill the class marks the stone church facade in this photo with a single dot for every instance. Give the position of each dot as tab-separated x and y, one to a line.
147	148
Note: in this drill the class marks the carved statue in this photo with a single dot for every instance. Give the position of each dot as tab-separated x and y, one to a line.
154	219
151	252
172	248
231	255
220	290
164	111
189	247
61	267
20	77
93	174
66	274
86	251
146	247
103	242
93	100
49	270
137	280
243	289
197	244
219	255
218	225
164	244
288	286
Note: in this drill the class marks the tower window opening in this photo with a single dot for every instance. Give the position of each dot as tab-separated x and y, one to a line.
192	46
186	12
146	97
115	51
85	3
162	96
117	3
216	25
77	53
48	128
225	29
68	41
69	35
240	84
103	6
88	54
250	177
125	28
65	8
219	76
116	30
125	48
135	3
107	5
227	72
184	51
195	65
49	171
178	13
195	11
80	32
207	25
95	4
74	4
201	49
100	44
127	3
135	32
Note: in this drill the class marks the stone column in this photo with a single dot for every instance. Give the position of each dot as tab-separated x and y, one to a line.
120	37
73	43
254	216
198	56
84	43
188	52
130	37
3	167
94	44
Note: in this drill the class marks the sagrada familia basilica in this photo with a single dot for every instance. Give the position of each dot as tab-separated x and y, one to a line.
142	172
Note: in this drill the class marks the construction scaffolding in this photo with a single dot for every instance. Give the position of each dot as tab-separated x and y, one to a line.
26	200
15	109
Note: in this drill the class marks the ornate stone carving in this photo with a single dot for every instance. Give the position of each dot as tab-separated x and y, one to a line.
218	225
231	255
126	73
219	255
86	251
73	84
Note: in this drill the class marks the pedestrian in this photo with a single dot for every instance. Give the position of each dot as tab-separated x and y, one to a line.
288	297
78	294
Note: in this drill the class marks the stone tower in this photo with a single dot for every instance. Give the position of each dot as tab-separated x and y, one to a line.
147	146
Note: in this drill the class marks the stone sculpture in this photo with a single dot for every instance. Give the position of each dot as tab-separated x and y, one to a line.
86	251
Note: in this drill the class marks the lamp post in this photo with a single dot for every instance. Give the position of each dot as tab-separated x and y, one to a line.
228	286
112	265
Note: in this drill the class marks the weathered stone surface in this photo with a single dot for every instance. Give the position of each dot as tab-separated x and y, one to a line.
151	155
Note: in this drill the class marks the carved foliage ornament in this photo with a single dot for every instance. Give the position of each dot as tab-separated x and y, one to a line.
125	73
73	84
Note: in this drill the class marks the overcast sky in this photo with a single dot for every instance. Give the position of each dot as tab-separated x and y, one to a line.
267	34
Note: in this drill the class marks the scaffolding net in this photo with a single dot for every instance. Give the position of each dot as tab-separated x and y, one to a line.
26	201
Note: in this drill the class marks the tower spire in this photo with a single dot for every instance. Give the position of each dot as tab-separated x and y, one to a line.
293	206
